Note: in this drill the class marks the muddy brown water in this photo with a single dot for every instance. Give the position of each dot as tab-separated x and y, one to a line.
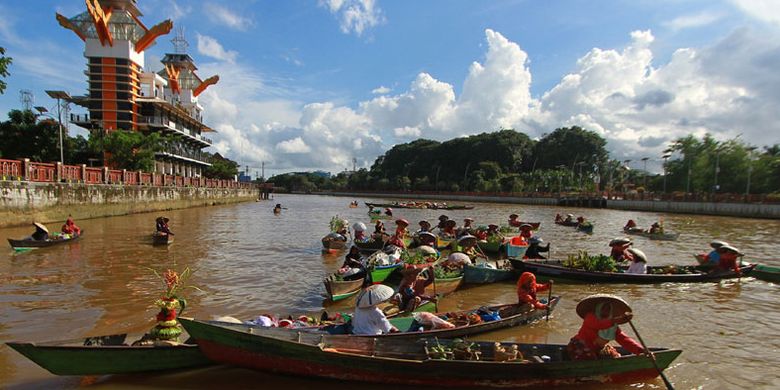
249	261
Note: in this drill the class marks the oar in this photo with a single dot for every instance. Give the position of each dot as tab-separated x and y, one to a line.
549	301
652	358
435	296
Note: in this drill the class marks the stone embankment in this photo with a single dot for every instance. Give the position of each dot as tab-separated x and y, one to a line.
22	202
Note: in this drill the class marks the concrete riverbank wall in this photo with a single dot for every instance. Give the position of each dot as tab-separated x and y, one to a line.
22	202
747	210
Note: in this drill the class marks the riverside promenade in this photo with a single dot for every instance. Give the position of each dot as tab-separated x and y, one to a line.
724	205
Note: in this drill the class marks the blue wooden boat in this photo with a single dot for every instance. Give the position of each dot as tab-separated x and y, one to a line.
473	274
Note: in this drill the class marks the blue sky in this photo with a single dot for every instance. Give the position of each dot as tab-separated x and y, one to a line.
312	84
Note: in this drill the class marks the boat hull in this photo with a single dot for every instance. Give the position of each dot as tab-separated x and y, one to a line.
162	239
313	355
69	358
444	286
766	273
482	275
653	236
380	273
342	289
554	269
32	244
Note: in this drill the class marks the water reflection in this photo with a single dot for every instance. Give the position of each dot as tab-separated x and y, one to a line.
248	261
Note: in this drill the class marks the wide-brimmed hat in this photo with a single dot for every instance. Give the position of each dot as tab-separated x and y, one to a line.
467	240
588	305
458	258
526	225
513	215
492	226
424	223
569	215
656	224
41	226
429	235
715	244
374	295
359	227
402	221
443	217
620	241
638	255
729	248
426	250
468	220
450	222
535	240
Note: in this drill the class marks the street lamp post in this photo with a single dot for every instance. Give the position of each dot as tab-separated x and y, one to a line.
666	159
60	95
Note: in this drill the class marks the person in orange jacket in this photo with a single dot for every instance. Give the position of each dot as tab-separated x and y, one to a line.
527	289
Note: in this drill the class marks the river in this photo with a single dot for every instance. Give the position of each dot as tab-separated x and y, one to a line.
247	261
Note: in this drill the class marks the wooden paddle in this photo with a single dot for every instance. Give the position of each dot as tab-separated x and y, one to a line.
652	358
435	296
549	301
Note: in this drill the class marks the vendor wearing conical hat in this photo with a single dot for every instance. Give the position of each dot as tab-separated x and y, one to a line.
601	314
527	289
513	220
712	258
638	262
526	230
619	246
368	318
411	290
41	233
728	259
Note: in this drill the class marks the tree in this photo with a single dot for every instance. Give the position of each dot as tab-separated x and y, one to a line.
4	63
568	146
131	150
23	136
221	168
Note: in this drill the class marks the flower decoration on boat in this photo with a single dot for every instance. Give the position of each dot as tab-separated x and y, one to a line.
171	304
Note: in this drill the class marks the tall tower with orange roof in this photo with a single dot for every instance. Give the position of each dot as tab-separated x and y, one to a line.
121	96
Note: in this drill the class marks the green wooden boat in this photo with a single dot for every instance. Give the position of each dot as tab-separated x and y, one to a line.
342	289
380	273
106	355
490	246
767	273
414	361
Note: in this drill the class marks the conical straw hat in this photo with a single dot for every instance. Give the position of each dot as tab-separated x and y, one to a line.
374	295
41	226
638	254
588	305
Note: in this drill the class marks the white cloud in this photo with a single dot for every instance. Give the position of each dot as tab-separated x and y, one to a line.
381	90
226	17
355	15
695	20
766	10
295	145
209	46
407	132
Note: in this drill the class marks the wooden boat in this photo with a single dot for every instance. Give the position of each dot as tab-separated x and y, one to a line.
369	246
585	228
106	355
494	246
381	272
516	248
767	273
444	286
413	361
652	236
159	238
555	269
483	275
534	225
32	244
342	289
333	243
418	205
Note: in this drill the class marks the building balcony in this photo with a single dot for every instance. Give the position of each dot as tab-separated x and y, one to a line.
177	129
183	154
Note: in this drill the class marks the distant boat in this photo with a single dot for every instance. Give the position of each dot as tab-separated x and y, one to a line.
419	205
32	244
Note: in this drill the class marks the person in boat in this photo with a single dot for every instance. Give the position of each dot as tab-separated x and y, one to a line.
442	222
493	230
527	289
619	249
411	291
396	240
467	228
379	231
526	231
41	233
360	231
728	256
351	262
513	220
481	233
558	217
535	249
449	229
425	226
375	212
70	228
468	244
601	314
401	226
580	220
278	208
630	225
569	218
162	226
389	212
638	262
368	319
712	258
655	228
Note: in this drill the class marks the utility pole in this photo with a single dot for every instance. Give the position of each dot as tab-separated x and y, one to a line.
645	173
59	95
262	167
